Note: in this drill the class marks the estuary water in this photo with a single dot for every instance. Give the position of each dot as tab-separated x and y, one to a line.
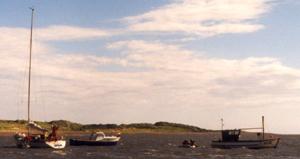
142	146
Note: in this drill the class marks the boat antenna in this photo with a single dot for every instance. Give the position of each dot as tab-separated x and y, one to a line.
222	124
29	68
263	127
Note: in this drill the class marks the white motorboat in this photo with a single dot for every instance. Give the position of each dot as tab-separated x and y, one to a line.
97	139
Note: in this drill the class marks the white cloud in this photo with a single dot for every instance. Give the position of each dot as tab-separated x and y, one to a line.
198	85
170	83
202	17
61	32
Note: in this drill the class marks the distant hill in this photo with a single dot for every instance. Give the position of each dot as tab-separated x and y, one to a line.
64	125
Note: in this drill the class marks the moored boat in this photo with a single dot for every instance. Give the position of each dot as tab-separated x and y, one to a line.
97	139
188	144
231	139
42	139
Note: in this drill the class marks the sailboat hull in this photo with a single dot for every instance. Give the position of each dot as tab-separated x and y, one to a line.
22	141
59	144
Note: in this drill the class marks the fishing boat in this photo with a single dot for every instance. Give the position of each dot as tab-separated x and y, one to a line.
40	139
97	139
231	139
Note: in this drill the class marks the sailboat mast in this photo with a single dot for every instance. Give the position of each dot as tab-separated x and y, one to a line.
29	72
263	127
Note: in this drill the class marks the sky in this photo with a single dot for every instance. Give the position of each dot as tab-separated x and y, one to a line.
132	61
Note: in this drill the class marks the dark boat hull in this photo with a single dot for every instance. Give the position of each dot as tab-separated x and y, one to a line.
251	144
78	142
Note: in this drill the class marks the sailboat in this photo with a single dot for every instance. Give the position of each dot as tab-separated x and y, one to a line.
41	139
230	139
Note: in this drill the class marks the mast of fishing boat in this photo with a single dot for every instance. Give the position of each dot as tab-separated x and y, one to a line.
222	124
263	127
29	72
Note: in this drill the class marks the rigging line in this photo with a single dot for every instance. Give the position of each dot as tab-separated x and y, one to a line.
22	89
42	95
39	91
13	85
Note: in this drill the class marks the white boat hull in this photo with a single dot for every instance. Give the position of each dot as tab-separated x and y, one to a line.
23	142
59	144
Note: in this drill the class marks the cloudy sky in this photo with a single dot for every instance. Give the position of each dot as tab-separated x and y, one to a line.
124	61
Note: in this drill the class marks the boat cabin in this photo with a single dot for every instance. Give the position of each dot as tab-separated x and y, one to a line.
231	135
97	136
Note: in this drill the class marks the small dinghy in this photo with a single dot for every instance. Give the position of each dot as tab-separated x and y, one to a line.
230	139
97	139
188	144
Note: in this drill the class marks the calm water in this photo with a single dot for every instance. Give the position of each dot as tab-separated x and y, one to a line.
154	146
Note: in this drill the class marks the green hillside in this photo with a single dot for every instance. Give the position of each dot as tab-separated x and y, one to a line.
18	125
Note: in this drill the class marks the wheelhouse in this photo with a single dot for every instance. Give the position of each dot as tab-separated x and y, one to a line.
231	135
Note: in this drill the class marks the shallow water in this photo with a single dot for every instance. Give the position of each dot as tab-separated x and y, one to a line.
154	146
